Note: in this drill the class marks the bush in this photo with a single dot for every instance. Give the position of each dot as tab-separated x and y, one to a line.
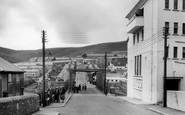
28	82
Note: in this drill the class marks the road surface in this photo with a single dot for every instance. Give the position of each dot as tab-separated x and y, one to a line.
91	102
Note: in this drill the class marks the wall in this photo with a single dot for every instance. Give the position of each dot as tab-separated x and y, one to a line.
175	100
19	105
173	69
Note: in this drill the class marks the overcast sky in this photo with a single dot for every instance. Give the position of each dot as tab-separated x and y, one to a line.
68	23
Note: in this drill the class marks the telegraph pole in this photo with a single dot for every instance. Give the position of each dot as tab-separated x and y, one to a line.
105	84
165	66
43	66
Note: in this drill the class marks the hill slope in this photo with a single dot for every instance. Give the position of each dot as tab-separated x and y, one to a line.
25	55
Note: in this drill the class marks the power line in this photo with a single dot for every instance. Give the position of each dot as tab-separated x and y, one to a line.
149	43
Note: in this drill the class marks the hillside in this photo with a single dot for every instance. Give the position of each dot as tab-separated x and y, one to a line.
25	55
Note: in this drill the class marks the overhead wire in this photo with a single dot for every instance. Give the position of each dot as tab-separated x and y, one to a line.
150	41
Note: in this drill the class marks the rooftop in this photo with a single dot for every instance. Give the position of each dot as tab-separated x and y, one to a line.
6	66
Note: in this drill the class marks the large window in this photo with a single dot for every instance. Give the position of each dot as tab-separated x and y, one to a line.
175	28
134	38
183	52
138	65
175	52
183	28
166	4
175	4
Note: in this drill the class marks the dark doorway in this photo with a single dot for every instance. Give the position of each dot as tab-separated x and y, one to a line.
173	84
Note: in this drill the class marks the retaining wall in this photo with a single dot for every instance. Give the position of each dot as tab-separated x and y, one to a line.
176	100
19	105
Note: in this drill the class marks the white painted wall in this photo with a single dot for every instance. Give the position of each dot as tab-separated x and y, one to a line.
152	55
175	100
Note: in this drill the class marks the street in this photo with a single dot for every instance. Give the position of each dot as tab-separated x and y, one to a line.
91	102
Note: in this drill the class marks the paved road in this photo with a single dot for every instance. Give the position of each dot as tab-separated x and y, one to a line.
91	102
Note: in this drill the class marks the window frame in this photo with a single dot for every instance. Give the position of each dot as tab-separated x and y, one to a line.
138	65
183	4
167	25
175	52
134	39
166	4
183	52
138	37
175	7
142	34
175	31
183	27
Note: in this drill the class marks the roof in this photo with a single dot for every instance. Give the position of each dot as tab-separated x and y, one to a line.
6	66
137	6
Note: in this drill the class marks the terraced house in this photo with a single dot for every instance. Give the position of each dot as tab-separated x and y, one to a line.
146	48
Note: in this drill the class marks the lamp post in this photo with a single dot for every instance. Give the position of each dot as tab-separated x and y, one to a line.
105	84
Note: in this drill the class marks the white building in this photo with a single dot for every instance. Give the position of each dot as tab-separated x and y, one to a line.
146	48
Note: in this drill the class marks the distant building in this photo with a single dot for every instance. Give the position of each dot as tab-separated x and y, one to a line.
11	79
114	78
146	48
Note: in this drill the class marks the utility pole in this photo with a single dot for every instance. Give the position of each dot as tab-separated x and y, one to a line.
166	29
105	84
43	66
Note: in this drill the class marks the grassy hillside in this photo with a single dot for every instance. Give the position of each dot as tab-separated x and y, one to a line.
25	55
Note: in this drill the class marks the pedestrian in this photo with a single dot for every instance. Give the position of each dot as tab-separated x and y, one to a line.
63	94
85	87
77	88
80	87
57	95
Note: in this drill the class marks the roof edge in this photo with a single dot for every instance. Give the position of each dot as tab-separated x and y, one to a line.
137	6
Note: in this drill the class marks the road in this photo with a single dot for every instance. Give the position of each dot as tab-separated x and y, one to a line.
91	102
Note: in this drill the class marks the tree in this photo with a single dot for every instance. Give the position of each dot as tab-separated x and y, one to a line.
84	55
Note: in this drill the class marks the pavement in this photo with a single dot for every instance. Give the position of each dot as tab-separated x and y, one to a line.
155	108
46	110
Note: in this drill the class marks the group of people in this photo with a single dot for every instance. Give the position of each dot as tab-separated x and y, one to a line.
55	95
79	87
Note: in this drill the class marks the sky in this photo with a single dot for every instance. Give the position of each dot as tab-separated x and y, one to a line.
68	23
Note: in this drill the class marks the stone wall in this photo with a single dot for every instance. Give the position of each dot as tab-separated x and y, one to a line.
176	100
19	105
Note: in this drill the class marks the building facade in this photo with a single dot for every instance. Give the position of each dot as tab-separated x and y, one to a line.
11	79
145	29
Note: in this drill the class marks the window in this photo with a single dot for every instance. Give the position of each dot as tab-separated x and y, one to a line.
183	52
166	4
17	78
183	28
135	68
138	65
175	28
183	4
137	37
9	78
134	37
175	4
167	26
142	34
174	52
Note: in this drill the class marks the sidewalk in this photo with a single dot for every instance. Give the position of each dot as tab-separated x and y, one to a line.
45	110
156	108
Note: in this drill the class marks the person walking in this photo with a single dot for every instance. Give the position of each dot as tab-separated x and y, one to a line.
57	95
63	94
